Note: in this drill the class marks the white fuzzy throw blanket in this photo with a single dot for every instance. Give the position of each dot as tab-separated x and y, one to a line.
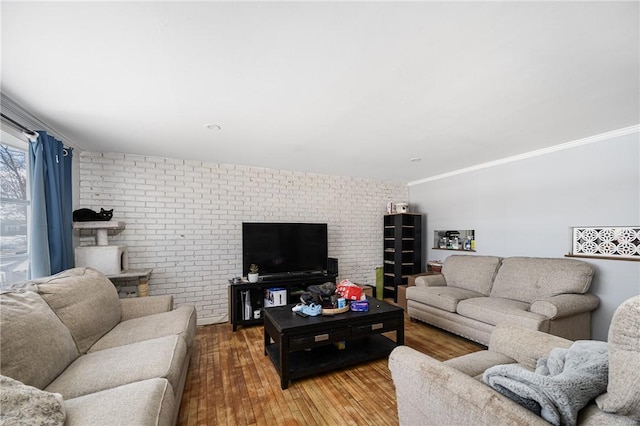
28	406
561	385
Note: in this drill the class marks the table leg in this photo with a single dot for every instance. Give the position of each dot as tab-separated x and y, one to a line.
233	303
284	362
400	332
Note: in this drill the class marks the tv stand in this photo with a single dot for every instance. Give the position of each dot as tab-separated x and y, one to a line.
291	283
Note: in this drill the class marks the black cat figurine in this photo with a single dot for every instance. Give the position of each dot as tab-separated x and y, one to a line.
88	215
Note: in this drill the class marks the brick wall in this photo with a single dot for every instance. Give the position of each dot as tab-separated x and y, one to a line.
183	218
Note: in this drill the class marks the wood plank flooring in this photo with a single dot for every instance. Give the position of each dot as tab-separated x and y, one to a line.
231	382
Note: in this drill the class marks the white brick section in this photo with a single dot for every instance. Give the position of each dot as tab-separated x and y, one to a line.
184	218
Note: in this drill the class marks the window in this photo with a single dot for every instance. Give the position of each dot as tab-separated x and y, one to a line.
14	210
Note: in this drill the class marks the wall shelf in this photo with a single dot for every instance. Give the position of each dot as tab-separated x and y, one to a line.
602	257
455	239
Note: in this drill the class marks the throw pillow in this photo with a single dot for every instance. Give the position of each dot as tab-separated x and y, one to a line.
86	302
25	405
36	346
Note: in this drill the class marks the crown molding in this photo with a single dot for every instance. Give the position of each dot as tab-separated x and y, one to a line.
544	151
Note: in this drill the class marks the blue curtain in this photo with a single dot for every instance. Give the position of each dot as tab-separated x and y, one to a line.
51	236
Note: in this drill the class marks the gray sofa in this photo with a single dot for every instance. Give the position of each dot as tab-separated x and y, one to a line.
73	353
474	294
430	392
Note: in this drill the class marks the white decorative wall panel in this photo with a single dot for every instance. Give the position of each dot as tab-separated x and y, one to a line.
613	242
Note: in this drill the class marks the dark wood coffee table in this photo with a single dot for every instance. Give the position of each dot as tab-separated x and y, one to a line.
306	346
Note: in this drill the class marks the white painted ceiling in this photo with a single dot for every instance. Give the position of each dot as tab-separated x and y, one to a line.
343	88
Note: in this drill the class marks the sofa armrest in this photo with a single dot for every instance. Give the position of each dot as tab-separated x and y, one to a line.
564	305
137	307
525	345
429	391
411	279
431	281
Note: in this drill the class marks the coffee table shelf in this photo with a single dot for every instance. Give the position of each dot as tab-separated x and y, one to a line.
328	357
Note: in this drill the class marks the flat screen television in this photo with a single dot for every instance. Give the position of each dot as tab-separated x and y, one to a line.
282	249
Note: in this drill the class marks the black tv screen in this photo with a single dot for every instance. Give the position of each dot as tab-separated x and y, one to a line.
284	248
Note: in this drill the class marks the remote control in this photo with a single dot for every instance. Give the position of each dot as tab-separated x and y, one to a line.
303	315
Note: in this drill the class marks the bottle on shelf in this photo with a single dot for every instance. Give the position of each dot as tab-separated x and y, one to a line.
455	244
467	243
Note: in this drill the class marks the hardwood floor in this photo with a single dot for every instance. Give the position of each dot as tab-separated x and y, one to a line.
231	382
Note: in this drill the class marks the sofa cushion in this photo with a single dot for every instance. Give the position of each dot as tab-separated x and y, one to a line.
164	357
445	298
473	273
623	397
25	405
148	402
86	302
181	321
36	346
529	278
496	310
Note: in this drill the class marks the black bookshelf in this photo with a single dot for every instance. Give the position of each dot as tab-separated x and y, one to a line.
402	250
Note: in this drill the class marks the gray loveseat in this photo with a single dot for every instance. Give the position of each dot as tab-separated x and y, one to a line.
474	294
430	392
73	353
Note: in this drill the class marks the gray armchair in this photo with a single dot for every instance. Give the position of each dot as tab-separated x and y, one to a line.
452	392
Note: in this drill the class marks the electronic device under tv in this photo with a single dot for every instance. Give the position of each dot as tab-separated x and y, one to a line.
284	249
